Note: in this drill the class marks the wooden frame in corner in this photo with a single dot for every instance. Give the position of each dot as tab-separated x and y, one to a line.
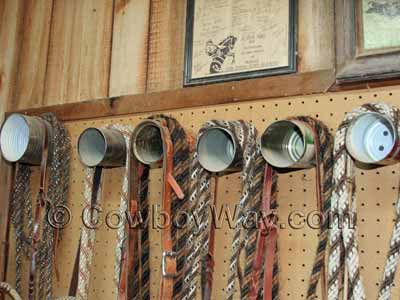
359	55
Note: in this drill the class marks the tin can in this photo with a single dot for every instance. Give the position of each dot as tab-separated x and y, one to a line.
147	143
21	139
102	147
372	138
288	144
219	150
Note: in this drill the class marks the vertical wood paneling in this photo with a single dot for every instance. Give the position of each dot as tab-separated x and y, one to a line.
32	62
129	47
80	49
10	27
166	46
96	49
316	45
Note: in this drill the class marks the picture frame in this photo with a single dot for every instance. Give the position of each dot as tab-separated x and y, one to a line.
354	61
204	64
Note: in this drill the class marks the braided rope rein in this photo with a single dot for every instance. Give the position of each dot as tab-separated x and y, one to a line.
88	235
343	237
325	142
22	210
200	198
123	206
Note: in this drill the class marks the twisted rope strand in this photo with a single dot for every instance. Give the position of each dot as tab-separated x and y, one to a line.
344	207
324	140
22	212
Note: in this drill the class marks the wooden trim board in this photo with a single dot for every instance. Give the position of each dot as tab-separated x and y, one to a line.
223	93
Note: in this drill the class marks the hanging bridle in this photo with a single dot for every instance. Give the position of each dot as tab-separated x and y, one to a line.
175	165
267	239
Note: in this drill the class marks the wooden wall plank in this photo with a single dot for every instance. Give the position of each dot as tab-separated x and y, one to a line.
33	54
10	26
316	46
129	47
166	45
61	80
80	49
96	49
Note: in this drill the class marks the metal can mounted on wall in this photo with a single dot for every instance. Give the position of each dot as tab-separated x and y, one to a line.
147	143
102	147
21	139
218	150
372	138
288	144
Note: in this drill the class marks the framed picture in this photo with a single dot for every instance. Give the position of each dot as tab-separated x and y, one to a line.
237	39
378	27
367	40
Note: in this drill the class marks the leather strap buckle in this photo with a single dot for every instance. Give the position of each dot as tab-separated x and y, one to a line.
165	256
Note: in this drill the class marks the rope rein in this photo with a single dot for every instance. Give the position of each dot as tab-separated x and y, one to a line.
343	257
40	246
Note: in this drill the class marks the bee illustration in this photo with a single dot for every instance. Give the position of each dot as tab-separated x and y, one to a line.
220	52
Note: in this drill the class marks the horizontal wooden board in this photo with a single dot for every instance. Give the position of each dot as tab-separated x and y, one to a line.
237	91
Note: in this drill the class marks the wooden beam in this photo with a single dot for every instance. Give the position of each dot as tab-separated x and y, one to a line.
253	89
363	85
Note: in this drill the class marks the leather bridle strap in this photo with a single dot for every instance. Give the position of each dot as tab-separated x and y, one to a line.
73	287
40	203
92	191
266	243
168	264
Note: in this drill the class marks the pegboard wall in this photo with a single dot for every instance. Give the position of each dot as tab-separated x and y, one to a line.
377	190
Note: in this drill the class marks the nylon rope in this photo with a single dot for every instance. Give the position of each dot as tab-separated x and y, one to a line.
343	235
